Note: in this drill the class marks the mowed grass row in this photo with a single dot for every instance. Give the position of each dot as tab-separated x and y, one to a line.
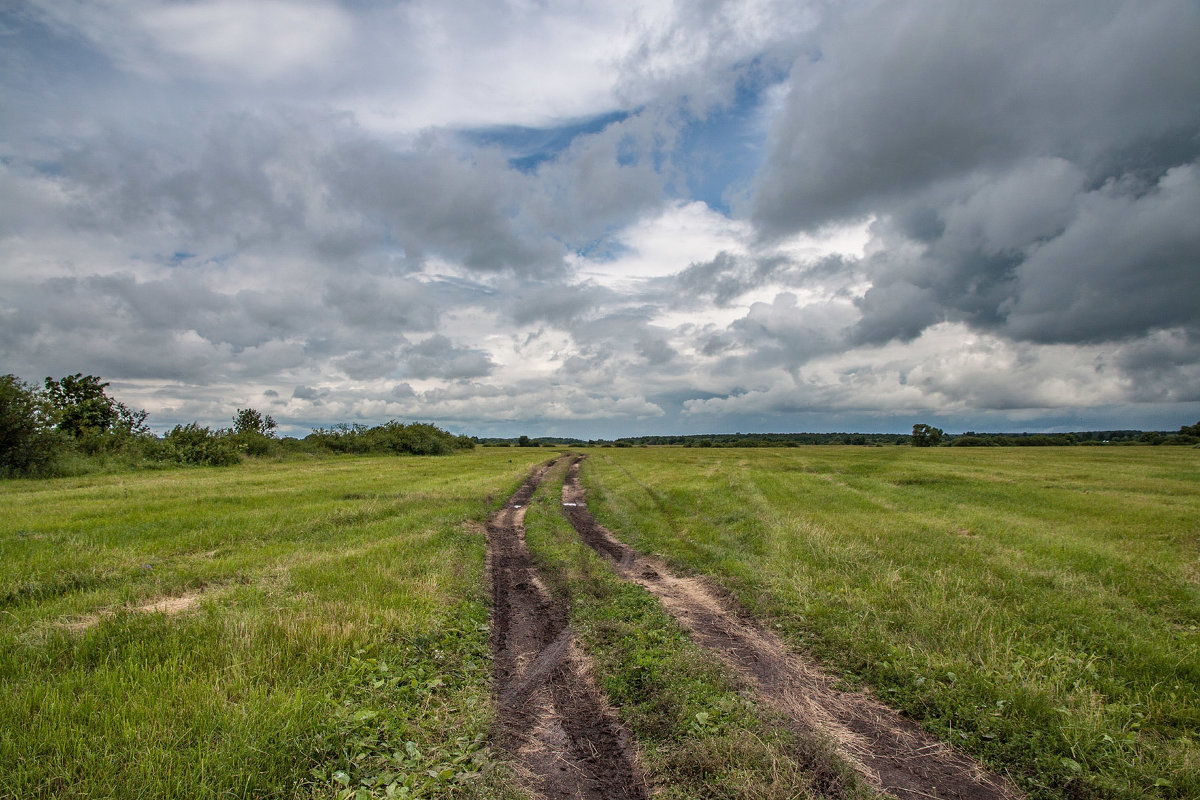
1038	607
336	641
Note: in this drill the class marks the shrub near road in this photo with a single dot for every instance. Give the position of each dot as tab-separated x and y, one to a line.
268	630
1039	608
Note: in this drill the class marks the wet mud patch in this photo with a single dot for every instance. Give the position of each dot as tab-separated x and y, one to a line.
551	716
892	753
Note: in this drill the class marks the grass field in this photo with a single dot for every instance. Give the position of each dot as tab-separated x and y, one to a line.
317	628
1037	607
337	632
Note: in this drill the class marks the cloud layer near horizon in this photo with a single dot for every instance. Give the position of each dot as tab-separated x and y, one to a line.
596	220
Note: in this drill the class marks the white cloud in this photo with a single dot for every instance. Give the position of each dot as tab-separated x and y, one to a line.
684	233
664	244
220	40
259	40
277	203
948	368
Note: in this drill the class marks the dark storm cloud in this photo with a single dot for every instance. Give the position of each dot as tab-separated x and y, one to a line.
906	94
1032	167
729	276
1164	368
1039	258
1128	263
439	202
558	304
369	302
438	357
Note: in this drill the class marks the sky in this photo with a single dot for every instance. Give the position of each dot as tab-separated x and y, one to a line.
599	219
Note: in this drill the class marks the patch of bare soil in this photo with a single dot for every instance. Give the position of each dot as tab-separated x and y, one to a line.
551	716
170	605
164	605
891	752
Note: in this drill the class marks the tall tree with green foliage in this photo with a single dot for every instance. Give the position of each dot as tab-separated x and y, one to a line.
27	443
249	420
254	432
81	409
926	435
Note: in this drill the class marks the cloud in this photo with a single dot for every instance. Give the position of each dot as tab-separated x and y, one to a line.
309	393
602	181
1127	264
1037	256
904	95
702	52
947	368
390	304
438	357
597	218
261	41
784	333
221	39
1020	182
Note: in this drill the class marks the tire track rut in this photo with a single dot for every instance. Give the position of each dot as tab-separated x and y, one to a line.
892	753
551	717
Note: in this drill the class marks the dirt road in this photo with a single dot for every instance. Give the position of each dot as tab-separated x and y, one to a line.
551	716
567	742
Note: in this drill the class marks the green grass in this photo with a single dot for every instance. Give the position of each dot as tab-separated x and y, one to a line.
699	731
1038	607
339	642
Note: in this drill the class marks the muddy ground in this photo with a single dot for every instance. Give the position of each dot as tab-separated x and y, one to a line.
551	717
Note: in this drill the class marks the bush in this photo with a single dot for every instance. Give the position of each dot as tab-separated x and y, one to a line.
28	445
253	443
393	437
193	444
417	439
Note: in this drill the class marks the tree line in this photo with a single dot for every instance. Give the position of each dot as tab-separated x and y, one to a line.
71	425
923	435
928	436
